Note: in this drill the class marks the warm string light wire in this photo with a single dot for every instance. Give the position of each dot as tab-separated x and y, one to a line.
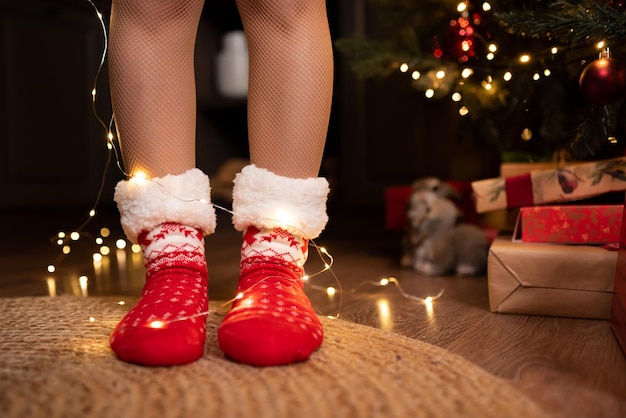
112	149
61	238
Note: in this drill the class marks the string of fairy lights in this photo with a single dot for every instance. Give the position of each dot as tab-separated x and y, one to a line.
448	80
108	246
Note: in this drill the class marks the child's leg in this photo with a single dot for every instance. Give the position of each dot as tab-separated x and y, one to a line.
291	83
153	92
278	202
152	83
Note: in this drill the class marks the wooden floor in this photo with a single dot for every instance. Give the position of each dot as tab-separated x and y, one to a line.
572	367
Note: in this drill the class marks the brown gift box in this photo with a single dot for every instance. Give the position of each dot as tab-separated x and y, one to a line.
573	281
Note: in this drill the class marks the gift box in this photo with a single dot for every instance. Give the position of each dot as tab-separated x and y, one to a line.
573	281
570	224
618	309
568	183
397	198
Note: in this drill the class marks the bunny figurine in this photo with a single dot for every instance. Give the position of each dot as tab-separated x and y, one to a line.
435	241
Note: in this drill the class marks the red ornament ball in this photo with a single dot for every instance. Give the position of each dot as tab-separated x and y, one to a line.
603	81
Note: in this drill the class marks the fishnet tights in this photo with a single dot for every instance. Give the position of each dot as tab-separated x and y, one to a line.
291	77
152	83
153	87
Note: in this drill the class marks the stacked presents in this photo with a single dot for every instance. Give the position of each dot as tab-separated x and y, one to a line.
562	259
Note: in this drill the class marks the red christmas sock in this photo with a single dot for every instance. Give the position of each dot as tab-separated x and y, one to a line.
168	324
271	322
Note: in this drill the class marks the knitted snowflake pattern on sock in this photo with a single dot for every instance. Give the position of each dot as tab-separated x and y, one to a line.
168	324
272	321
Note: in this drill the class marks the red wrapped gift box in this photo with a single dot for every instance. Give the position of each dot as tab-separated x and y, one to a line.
397	197
618	308
570	224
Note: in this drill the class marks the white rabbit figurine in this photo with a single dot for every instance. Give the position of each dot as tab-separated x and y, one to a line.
435	242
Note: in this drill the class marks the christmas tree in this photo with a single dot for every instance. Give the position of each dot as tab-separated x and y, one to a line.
538	79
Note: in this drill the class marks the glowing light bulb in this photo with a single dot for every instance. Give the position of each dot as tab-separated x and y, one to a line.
547	72
120	244
554	50
384	282
99	241
105	232
283	217
415	75
536	76
93	93
526	134
429	93
139	176
74	236
60	242
404	67
507	76
97	257
92	319
239	296
492	47
305	278
331	291
601	45
486	6
467	73
524	59
104	250
121	303
61	234
491	56
440	74
461	7
82	282
51	269
157	324
66	249
463	111
135	248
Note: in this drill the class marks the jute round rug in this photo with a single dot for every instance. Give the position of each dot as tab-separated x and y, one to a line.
55	362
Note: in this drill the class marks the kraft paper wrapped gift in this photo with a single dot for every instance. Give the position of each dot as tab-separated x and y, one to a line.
573	281
568	183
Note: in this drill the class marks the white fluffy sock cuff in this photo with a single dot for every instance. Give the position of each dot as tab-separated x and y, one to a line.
267	200
184	198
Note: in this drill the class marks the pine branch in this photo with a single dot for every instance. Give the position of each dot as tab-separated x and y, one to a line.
569	22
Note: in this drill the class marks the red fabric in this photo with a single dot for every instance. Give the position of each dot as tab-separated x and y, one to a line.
397	197
519	191
571	224
168	325
272	321
618	308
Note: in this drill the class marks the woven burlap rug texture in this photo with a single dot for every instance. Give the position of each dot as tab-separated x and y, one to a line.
55	361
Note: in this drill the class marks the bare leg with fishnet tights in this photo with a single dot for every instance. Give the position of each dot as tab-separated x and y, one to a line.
153	91
152	83
291	81
272	321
